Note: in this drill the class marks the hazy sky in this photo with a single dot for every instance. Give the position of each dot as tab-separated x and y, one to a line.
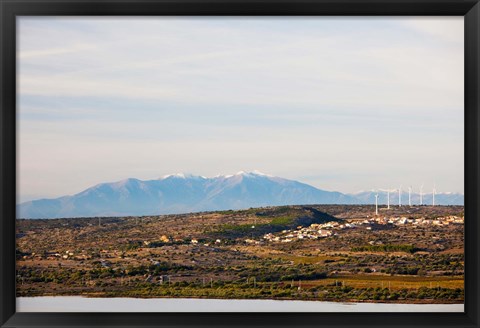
343	104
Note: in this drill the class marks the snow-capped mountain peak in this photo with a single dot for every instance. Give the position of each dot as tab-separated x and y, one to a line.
256	172
253	173
182	176
184	193
180	193
174	175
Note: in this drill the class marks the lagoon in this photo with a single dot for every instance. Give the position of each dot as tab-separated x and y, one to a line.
85	304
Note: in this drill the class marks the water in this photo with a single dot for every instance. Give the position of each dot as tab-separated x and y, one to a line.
83	304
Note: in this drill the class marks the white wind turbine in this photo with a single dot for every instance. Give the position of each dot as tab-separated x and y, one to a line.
388	199
410	196
421	194
376	203
433	195
400	196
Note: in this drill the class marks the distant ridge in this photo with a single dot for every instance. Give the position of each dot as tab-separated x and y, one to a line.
184	193
441	198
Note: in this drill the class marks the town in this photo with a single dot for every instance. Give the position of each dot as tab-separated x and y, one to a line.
316	231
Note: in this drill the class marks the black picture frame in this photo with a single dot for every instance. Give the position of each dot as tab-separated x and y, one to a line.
9	9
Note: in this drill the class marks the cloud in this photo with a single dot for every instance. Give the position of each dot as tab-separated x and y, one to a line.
64	86
52	52
101	99
450	29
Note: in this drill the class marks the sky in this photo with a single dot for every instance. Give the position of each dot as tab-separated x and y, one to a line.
341	103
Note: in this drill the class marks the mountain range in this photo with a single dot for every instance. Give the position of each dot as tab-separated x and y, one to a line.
184	193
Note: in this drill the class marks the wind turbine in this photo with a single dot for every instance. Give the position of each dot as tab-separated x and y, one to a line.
376	203
388	199
410	196
400	196
433	195
421	194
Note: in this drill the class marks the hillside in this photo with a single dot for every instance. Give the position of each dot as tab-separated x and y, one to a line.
321	252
